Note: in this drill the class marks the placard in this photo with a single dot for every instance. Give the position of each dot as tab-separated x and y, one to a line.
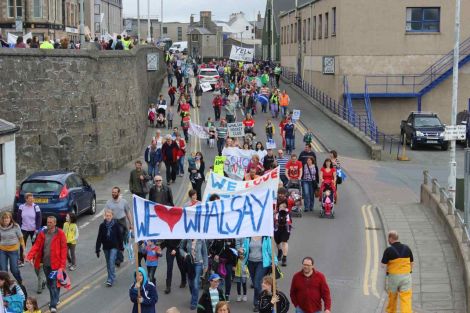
206	87
241	54
152	62
219	162
296	115
236	129
328	65
271	144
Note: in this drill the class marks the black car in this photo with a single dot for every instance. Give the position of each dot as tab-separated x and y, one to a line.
463	118
58	193
423	128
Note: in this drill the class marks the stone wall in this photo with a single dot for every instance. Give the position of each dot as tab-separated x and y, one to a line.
77	110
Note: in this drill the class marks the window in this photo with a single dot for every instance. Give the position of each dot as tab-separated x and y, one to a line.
304	30
291	33
423	19
194	38
308	26
295	32
1	159
180	33
326	25
314	29
97	9
333	30
320	22
37	8
15	8
165	30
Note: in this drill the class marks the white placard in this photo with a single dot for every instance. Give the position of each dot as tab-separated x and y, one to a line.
206	87
455	132
270	144
241	54
198	131
296	115
236	129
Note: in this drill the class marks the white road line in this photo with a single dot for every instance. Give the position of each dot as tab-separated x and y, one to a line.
375	251
84	225
365	285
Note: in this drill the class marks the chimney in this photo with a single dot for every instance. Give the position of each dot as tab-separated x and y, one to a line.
206	18
259	16
191	20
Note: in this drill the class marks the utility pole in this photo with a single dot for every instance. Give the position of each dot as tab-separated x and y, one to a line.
455	97
149	37
82	24
161	20
138	21
272	30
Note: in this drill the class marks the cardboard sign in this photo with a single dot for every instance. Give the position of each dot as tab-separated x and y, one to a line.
206	87
236	129
296	115
242	54
219	162
271	144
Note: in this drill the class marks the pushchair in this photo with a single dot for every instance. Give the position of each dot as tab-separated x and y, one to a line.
294	192
327	200
161	116
250	136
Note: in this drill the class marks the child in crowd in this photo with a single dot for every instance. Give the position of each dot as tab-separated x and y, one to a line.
151	114
71	233
241	273
32	305
308	137
153	252
192	160
169	117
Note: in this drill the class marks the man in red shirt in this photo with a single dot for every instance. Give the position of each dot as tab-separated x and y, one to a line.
293	168
217	104
309	288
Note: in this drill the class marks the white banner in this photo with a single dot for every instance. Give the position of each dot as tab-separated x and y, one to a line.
11	39
247	215
198	131
241	54
236	129
226	187
206	87
237	160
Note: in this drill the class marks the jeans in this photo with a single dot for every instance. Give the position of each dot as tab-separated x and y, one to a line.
54	292
151	273
308	190
171	169
169	267
284	110
110	264
220	145
194	284
217	112
274	110
170	80
257	272
10	257
152	169
289	144
180	165
172	99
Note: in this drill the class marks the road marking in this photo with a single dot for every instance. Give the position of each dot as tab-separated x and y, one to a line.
375	268
365	285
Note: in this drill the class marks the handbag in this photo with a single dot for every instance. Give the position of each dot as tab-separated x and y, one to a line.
279	274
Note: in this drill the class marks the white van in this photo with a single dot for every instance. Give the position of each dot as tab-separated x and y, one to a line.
180	46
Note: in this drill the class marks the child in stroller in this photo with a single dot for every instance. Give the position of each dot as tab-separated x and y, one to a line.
327	199
295	196
161	116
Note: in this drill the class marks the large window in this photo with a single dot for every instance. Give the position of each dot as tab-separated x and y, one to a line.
180	33
333	29
291	33
423	19
304	30
314	29
165	30
326	25
295	32
320	24
194	37
15	8
308	32
37	8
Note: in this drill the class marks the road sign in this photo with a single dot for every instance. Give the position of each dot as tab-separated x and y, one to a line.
152	62
236	129
455	132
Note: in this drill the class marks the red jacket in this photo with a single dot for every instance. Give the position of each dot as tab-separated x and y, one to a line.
58	250
217	102
308	292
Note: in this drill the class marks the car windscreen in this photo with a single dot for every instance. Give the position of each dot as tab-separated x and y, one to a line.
41	186
427	121
209	73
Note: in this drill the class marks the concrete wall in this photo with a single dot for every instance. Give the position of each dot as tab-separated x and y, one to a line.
8	178
77	110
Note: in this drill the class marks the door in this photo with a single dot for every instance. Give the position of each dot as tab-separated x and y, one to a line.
82	199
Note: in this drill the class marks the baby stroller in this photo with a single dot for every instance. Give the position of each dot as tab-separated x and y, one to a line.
161	116
250	136
295	195
327	200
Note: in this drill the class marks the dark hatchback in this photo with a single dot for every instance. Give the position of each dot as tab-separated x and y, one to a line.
58	193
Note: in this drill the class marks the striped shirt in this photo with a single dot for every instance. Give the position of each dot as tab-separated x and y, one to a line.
282	165
222	132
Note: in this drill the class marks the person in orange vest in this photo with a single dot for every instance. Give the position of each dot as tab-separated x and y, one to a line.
398	259
284	101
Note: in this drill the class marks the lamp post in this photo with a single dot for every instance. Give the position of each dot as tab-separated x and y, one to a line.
82	23
149	37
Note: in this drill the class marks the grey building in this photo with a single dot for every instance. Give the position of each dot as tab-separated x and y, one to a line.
205	38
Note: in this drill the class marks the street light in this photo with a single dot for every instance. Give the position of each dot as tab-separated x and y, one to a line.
82	24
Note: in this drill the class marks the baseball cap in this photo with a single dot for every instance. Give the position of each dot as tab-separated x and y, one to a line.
214	277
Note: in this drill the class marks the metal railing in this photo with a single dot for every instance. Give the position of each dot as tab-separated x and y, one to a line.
444	199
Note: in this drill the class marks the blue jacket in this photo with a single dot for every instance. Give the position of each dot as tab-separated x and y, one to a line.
266	250
148	292
152	157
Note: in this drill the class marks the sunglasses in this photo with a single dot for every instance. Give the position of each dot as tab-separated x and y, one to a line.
157	180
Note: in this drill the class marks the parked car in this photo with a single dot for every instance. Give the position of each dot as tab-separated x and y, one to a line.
58	193
423	128
463	118
179	46
208	75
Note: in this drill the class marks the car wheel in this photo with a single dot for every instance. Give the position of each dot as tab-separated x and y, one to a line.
412	144
92	209
445	146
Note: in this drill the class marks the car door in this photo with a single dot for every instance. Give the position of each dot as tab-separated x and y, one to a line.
73	193
81	197
88	192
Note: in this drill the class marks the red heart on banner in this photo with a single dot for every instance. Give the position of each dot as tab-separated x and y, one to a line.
171	216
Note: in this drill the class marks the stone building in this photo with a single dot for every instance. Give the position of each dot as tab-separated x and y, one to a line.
395	56
108	17
7	163
54	18
205	38
176	31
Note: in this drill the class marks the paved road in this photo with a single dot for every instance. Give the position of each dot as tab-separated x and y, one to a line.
343	248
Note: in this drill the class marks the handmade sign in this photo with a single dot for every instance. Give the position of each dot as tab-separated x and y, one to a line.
296	115
236	129
219	162
226	187
206	87
198	131
241	54
247	215
236	162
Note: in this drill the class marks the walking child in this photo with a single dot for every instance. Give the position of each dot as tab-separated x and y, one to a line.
151	114
71	233
212	135
241	273
32	305
169	117
153	253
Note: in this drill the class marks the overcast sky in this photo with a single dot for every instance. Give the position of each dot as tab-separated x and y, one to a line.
180	10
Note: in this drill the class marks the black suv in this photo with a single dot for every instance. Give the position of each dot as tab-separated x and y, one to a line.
423	128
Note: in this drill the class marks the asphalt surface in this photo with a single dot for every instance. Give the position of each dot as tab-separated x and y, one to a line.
345	249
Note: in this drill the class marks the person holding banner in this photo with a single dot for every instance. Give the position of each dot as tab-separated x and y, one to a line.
172	253
268	299
143	293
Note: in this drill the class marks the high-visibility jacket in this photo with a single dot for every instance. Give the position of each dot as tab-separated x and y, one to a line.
46	45
127	44
284	100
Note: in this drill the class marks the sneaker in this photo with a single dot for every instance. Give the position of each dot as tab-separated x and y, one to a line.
109	284
72	268
192	308
245	298
53	310
20	264
239	298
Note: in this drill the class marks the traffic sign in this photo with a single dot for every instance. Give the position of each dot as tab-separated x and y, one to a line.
455	132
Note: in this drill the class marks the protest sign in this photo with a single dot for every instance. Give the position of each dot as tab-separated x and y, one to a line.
226	187
296	115
236	129
270	144
198	131
206	87
247	215
219	162
241	54
236	162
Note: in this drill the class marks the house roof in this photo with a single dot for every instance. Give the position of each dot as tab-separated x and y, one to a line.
7	128
200	30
